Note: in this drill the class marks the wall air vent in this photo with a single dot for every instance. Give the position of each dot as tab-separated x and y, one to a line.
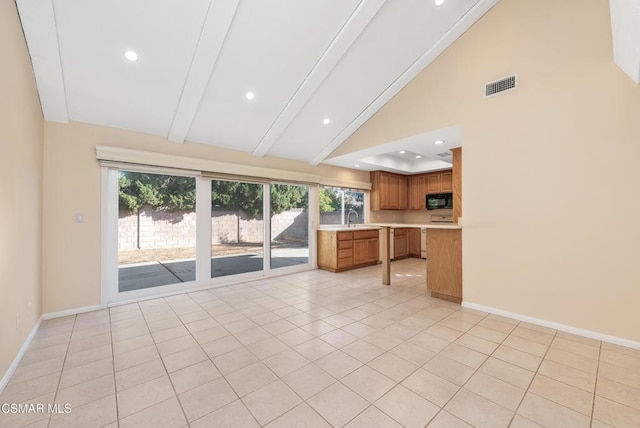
445	154
506	84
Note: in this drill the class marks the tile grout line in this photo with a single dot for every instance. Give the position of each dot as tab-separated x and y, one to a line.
75	318
113	363
260	360
595	387
366	364
475	371
515	413
417	368
144	317
311	362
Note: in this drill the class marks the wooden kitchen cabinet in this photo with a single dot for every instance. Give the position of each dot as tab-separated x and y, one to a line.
344	250
400	243
417	192
444	263
446	182
439	182
366	247
414	242
400	192
388	191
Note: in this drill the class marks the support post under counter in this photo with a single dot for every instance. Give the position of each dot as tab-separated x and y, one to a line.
385	256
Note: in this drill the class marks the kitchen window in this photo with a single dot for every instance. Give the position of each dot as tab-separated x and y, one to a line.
339	205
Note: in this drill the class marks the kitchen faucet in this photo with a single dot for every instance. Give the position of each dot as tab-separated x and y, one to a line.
349	217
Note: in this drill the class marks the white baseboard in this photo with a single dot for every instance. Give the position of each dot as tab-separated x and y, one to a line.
16	361
557	326
68	312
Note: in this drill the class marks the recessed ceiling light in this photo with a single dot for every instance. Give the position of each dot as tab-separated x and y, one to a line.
357	165
326	121
418	156
250	95
438	142
402	152
131	55
439	2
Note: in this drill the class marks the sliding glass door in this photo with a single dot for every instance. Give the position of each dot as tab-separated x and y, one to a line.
156	230
165	232
289	225
237	228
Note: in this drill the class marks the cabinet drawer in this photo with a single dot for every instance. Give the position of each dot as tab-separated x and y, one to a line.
400	232
363	234
344	244
342	263
348	252
344	236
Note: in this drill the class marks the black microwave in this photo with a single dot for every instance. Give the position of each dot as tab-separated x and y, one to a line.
440	201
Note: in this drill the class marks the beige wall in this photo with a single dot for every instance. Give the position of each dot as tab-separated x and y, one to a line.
21	136
71	251
550	171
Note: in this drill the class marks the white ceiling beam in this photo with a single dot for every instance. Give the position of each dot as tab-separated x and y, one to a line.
475	13
214	31
40	31
349	33
625	29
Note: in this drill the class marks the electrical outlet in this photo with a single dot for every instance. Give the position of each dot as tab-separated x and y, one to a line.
79	218
17	320
30	309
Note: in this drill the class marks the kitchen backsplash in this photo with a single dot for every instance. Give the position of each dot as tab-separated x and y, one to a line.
396	216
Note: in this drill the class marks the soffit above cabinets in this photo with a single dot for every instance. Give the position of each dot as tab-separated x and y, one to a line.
306	62
411	155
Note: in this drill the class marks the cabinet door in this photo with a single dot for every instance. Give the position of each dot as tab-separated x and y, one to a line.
389	197
399	246
416	192
414	242
360	249
373	250
402	192
433	183
446	181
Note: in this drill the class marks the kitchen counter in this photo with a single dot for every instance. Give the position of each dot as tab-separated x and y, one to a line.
419	226
341	227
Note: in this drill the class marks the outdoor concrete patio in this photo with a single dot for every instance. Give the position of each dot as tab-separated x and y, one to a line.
155	274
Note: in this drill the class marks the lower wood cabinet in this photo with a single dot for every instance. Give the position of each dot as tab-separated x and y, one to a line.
444	263
344	250
414	242
400	243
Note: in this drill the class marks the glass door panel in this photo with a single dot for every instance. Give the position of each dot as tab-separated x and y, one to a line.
237	228
289	225
156	230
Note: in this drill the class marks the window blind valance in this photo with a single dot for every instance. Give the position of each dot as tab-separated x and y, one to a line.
121	157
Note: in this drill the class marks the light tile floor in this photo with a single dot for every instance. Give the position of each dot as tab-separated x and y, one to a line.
319	349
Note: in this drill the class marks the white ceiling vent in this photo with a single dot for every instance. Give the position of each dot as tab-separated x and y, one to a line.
444	154
502	85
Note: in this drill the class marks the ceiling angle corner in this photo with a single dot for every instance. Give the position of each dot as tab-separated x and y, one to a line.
475	13
348	34
41	34
214	32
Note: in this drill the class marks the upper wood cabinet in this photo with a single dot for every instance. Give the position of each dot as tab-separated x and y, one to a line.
388	191
391	191
446	181
417	192
440	182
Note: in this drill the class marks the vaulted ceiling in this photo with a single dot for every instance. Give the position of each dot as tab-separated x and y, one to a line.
317	69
